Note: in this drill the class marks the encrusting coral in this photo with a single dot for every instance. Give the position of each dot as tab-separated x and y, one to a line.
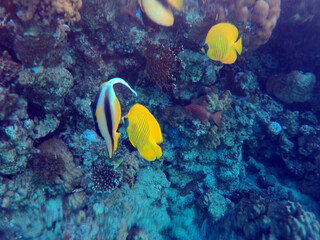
47	8
257	19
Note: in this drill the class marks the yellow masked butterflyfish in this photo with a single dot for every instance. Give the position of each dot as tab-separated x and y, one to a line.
106	112
160	13
222	43
144	132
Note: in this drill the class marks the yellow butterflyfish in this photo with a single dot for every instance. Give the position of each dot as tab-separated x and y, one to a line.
222	43
106	112
144	132
159	13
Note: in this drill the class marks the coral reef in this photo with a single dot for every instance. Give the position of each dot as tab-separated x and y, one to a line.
55	163
105	179
161	63
29	10
293	87
48	87
255	217
241	142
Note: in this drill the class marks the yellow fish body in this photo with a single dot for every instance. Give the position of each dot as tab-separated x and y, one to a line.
221	43
144	132
106	111
159	13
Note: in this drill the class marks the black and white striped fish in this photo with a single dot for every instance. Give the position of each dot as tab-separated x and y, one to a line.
106	111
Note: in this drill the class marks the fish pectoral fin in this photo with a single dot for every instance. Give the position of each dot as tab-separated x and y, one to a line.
231	57
150	151
116	139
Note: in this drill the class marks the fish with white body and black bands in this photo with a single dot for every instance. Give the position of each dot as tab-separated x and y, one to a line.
106	112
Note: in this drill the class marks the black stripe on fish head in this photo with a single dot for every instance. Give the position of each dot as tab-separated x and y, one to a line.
108	116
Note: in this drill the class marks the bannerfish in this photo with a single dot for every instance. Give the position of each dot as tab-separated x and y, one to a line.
200	112
106	111
222	43
144	132
158	12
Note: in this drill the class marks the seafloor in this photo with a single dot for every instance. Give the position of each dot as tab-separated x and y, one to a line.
257	176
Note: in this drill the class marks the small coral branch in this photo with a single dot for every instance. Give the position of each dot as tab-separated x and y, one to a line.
161	64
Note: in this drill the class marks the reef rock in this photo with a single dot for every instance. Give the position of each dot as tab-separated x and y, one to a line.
293	87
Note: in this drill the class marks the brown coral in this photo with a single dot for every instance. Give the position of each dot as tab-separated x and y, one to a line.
256	19
8	68
55	163
161	63
69	7
36	9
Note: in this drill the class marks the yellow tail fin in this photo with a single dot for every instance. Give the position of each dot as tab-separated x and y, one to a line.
238	46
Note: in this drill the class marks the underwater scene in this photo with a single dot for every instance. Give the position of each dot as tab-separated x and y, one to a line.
159	119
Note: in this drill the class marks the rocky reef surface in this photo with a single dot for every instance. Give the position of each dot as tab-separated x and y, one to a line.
255	176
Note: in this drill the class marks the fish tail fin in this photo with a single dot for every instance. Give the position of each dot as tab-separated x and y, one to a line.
216	117
120	80
238	46
150	151
177	4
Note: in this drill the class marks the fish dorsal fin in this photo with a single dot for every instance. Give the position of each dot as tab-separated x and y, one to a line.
232	31
113	81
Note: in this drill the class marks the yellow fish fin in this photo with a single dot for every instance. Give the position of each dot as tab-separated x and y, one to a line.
231	57
97	113
230	29
158	151
177	4
150	151
238	46
116	139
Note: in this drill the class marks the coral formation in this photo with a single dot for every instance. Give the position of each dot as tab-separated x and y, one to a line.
293	87
33	9
161	63
254	174
55	163
8	68
105	179
255	218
